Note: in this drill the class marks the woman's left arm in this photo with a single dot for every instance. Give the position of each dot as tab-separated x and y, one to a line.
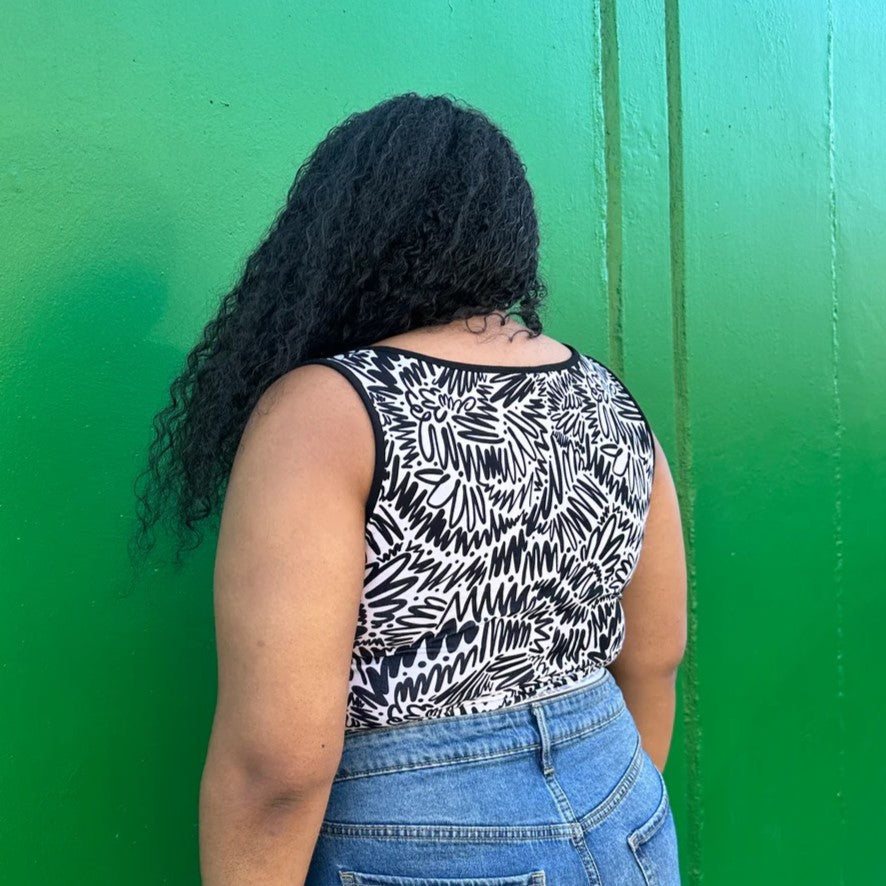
287	585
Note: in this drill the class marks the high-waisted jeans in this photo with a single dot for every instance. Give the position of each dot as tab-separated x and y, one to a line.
552	792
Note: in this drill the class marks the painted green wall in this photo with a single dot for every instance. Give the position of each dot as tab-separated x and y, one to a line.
722	247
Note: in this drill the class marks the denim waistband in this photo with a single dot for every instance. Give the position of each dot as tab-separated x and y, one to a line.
566	715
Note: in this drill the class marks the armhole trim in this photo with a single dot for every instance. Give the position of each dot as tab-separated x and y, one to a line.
378	469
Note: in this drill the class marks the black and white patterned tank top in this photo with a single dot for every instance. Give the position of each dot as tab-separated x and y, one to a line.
505	518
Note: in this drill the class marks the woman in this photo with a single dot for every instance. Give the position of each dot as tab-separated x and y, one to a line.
450	578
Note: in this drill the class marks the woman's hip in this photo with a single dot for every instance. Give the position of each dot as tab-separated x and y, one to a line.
557	790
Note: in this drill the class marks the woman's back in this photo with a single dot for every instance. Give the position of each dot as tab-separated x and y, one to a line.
504	519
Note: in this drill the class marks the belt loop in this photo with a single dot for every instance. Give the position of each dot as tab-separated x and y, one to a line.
547	763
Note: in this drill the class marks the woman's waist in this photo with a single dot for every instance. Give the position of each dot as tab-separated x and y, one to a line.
485	726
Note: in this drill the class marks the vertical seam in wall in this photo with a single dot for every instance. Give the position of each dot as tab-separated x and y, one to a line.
612	153
838	444
685	488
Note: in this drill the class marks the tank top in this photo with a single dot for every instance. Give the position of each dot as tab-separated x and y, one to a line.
505	518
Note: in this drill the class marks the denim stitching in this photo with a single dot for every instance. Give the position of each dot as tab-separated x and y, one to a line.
599	813
493	833
560	798
647	831
453	833
347	878
568	737
547	763
580	733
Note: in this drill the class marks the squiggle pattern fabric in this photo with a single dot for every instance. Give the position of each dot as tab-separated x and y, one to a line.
505	518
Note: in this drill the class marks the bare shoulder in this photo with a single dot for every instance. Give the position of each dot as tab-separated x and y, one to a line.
313	391
319	400
312	415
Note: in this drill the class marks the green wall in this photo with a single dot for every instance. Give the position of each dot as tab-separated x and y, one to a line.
721	246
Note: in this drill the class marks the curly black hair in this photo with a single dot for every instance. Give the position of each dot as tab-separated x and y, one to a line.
411	214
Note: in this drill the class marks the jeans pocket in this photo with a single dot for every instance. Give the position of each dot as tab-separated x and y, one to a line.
654	843
357	878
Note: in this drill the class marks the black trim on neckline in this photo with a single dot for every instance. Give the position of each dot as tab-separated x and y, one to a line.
571	360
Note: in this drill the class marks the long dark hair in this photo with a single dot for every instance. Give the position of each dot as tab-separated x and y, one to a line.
414	213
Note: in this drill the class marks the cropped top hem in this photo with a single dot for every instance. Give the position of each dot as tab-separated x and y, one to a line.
500	701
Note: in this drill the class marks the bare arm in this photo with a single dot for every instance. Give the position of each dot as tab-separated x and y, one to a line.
287	584
655	619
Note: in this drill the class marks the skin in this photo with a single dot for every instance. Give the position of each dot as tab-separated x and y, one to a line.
287	585
654	604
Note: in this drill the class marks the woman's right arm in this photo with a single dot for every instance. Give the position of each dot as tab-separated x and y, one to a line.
654	604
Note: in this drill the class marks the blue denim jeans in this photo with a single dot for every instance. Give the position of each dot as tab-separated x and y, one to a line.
552	792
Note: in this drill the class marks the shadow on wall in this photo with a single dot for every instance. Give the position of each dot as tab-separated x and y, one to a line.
110	684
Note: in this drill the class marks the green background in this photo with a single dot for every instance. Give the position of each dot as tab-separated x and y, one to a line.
711	184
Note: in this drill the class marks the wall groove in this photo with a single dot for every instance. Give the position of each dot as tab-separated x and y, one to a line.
612	152
684	484
838	445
